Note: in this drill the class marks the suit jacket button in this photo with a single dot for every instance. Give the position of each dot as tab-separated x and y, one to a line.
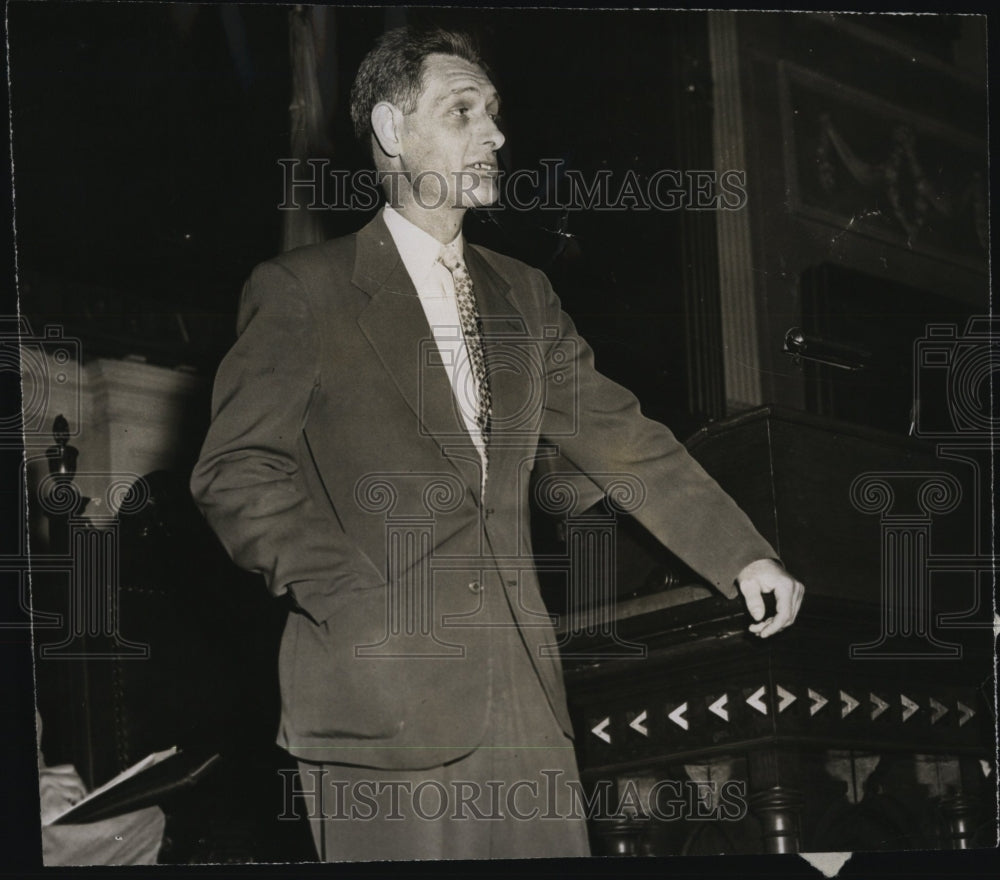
475	587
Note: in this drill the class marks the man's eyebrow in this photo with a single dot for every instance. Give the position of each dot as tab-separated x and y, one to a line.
491	96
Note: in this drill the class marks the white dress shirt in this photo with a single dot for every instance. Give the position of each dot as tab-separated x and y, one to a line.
420	251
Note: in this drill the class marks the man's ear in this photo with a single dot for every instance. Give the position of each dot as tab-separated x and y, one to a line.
385	126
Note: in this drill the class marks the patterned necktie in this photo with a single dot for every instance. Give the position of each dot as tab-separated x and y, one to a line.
469	315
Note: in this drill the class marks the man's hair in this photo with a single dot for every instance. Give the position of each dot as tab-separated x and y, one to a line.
393	70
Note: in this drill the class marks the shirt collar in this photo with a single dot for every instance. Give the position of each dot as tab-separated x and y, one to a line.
418	250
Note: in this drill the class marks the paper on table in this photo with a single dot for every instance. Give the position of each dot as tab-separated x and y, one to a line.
149	761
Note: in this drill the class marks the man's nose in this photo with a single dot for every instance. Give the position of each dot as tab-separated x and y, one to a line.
493	135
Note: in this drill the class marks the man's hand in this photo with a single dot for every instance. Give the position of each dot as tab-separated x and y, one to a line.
767	576
59	787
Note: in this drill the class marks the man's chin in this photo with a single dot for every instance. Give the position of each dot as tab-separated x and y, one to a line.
483	196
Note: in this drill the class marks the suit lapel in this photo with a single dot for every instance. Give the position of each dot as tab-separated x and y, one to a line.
396	327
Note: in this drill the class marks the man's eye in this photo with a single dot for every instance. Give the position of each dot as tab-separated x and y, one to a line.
462	111
497	119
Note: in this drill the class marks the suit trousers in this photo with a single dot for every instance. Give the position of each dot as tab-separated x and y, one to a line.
516	795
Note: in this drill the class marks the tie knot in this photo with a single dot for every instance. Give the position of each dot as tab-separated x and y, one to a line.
451	256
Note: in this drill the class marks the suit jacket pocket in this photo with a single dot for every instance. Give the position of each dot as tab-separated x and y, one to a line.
329	690
365	679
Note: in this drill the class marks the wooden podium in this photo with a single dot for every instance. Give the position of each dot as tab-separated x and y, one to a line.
867	725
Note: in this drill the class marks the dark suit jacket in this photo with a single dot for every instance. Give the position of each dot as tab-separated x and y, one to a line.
338	466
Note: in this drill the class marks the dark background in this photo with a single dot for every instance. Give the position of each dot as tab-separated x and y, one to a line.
146	140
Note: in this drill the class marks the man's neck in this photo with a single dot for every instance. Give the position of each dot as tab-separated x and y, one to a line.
444	224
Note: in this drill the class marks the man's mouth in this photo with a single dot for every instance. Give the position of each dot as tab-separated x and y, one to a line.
488	167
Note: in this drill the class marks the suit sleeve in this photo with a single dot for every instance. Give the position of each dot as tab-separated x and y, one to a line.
250	479
600	429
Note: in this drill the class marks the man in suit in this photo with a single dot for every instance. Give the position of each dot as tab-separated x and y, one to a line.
374	430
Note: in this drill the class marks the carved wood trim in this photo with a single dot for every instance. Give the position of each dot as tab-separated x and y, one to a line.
899	194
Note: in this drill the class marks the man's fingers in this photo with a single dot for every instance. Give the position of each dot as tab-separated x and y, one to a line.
62	783
767	576
65	787
783	596
800	592
788	599
753	599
